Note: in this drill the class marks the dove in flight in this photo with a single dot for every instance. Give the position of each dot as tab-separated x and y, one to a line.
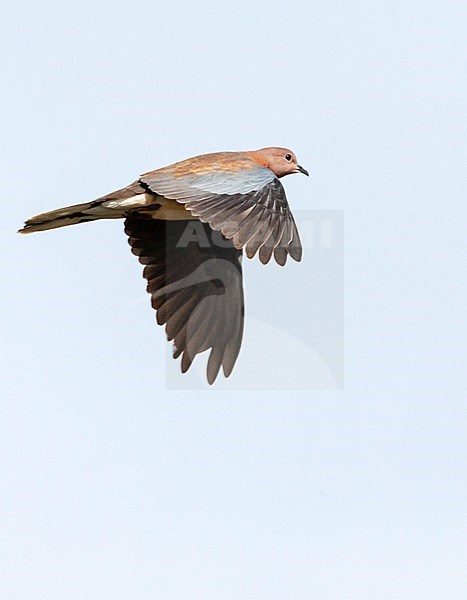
188	223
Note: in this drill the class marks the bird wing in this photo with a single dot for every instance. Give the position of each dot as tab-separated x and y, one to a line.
194	276
235	195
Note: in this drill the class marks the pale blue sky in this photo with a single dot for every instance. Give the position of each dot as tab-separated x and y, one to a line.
115	487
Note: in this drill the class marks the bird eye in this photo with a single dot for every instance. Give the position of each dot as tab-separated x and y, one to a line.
288	157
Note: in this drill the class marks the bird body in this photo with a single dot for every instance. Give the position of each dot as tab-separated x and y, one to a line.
194	276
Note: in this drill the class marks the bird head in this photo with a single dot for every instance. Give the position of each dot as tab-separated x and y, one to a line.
281	161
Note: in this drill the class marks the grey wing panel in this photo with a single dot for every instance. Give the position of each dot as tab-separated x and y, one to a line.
213	181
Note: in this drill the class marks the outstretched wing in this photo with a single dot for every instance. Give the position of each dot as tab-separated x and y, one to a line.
194	277
245	201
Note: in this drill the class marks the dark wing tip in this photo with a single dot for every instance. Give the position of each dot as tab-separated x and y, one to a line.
214	364
280	255
186	362
295	252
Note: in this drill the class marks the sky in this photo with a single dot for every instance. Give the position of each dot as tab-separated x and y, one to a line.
330	465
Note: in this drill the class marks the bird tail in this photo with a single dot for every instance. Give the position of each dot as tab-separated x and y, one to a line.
69	215
112	206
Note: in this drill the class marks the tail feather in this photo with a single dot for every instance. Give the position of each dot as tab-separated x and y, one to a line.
112	206
70	215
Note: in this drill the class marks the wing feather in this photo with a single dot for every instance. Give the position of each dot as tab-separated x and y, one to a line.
235	202
196	290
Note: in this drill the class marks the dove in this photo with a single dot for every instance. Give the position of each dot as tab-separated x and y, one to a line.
189	223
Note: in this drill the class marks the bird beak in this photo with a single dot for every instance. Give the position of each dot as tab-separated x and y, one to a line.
302	170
